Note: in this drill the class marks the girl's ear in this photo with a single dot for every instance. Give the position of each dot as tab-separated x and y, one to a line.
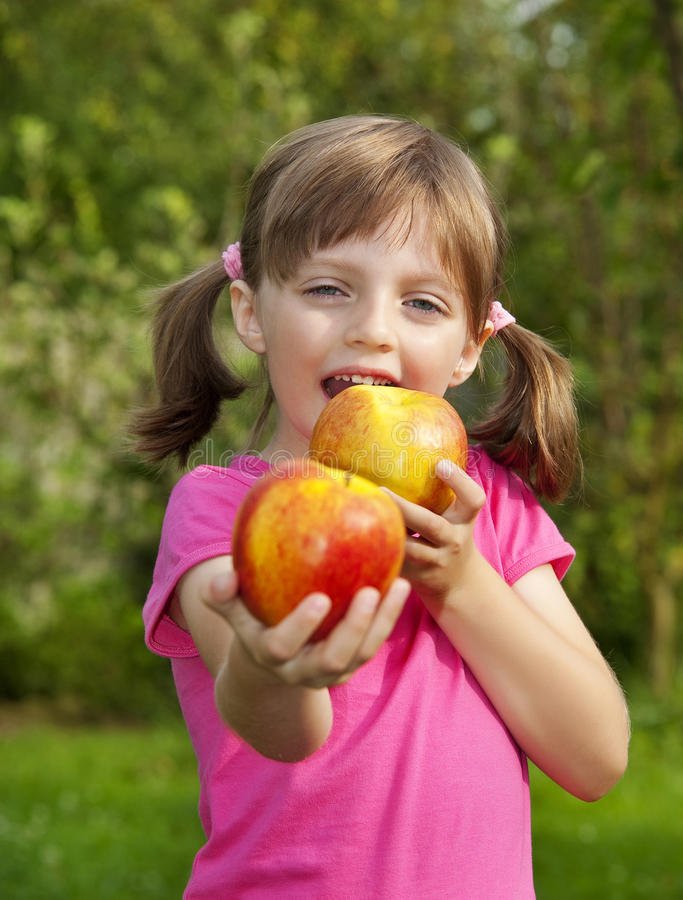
245	316
470	356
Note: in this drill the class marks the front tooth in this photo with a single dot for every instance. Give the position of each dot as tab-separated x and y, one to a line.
362	379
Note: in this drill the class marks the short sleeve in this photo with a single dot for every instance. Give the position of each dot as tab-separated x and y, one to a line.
197	526
514	531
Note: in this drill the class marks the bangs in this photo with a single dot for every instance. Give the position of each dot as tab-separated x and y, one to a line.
340	194
341	214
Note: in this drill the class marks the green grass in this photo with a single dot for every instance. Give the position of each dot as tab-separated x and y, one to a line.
628	845
94	812
111	813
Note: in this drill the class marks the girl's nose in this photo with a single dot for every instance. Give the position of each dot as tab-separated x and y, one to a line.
371	327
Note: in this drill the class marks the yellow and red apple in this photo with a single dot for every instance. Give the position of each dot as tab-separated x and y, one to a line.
304	527
394	437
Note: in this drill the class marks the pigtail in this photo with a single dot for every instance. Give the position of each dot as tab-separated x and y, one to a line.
191	377
533	427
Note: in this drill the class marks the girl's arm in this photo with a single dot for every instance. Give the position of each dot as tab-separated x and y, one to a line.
270	683
526	646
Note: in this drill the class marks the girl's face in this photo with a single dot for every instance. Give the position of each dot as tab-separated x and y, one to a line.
379	309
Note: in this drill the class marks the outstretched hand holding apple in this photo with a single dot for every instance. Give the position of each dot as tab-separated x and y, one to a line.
316	550
306	528
285	654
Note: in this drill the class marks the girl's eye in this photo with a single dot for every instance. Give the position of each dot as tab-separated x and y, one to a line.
422	304
324	290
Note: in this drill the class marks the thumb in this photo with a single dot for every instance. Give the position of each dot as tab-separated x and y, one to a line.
222	589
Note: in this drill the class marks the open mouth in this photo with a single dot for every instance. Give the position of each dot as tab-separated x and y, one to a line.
338	383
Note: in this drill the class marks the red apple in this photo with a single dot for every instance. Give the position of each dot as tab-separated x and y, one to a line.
394	437
304	527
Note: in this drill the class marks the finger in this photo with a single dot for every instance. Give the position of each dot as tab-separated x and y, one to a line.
420	553
417	518
367	624
381	626
342	644
426	528
283	641
334	658
246	626
385	618
223	599
277	644
469	496
222	590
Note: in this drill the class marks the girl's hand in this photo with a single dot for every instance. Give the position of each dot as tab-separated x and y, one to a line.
283	653
441	547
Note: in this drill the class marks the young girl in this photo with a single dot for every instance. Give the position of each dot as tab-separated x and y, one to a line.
389	760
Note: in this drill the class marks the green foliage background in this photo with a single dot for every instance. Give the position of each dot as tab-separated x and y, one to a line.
128	131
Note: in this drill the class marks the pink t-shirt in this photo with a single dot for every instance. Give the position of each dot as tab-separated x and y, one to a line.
419	791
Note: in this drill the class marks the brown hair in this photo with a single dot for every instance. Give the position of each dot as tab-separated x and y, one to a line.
345	178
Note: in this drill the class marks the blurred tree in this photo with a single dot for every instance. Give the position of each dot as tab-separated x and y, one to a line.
607	149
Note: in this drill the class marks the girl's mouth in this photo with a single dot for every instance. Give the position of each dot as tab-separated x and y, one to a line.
338	383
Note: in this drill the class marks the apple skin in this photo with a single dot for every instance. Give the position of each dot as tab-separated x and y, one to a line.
394	437
304	527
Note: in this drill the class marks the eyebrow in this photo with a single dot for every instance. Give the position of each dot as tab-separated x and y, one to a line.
318	259
429	277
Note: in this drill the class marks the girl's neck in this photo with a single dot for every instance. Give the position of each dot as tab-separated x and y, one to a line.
284	443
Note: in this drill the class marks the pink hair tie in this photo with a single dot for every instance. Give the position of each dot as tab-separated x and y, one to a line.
499	316
232	261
